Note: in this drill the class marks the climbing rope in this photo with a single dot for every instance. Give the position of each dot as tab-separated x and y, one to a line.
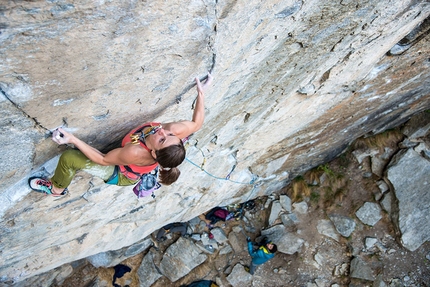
227	178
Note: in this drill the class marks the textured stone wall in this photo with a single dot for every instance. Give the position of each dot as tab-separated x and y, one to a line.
295	82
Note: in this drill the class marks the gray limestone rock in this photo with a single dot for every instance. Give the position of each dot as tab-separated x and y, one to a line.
383	187
285	202
396	282
300	207
289	219
239	277
326	227
275	210
361	270
114	257
409	172
378	165
307	90
407	143
180	258
225	249
418	126
136	248
219	235
379	282
343	224
105	67
103	259
369	242
369	213
361	154
321	282
422	149
386	202
147	271
237	240
287	242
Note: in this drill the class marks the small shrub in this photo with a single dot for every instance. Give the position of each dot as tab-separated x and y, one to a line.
315	197
326	169
313	176
328	197
380	141
300	188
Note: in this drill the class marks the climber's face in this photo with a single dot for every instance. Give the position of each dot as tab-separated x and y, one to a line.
161	139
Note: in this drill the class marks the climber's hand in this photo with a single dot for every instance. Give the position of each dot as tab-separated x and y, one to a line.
60	136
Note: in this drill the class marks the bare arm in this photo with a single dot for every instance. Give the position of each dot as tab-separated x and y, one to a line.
129	154
185	128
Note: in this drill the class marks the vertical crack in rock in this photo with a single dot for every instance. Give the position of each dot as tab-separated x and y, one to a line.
210	45
36	123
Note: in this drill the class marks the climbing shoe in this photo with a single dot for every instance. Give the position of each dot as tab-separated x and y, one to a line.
43	185
246	268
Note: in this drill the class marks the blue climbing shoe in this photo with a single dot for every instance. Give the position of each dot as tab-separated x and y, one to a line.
43	185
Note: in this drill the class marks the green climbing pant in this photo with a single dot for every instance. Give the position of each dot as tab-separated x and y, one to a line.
73	160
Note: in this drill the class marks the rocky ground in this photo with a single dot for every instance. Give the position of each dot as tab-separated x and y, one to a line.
371	255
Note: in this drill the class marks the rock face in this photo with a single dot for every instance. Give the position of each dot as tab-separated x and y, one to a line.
295	82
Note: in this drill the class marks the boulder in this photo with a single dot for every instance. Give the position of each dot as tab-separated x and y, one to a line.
361	270
343	224
326	227
408	173
180	258
239	277
148	272
287	242
369	213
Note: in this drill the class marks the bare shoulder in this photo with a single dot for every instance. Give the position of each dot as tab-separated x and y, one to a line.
135	154
180	129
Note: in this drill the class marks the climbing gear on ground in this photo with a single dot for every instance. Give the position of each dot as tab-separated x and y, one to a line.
217	214
170	228
43	185
147	184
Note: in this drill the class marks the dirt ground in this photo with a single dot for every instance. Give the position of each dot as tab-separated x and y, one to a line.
347	186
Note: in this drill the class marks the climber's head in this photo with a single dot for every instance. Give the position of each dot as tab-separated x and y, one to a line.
271	247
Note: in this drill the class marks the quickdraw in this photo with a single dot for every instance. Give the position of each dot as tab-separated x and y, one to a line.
142	133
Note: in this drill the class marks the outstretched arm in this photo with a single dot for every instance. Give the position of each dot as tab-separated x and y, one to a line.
251	249
130	154
185	128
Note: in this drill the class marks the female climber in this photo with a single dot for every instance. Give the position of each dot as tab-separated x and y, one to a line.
143	150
